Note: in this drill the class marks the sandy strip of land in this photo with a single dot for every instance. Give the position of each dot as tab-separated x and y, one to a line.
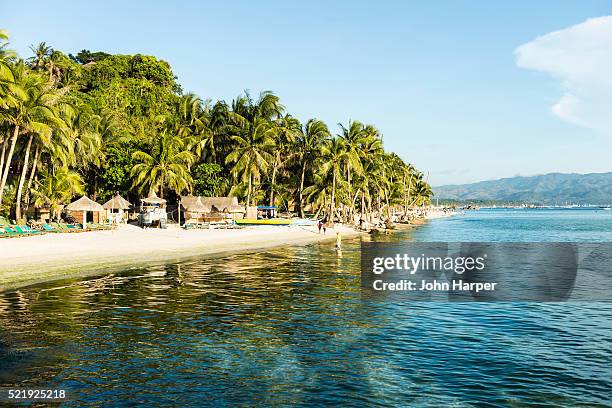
434	214
29	260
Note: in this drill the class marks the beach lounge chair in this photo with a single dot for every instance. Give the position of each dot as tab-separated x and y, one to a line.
64	227
99	227
5	234
47	228
21	229
11	232
27	229
75	227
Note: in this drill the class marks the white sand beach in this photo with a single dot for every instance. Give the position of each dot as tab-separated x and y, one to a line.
29	260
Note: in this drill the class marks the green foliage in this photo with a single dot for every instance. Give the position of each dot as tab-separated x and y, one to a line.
86	56
115	173
150	68
208	180
164	166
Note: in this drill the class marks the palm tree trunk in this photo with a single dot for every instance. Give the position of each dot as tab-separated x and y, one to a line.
272	186
316	216
2	154
302	189
351	217
32	174
249	191
24	172
9	158
408	195
332	204
362	209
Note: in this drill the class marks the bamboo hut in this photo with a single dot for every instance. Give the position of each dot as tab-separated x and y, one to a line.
116	207
79	209
194	210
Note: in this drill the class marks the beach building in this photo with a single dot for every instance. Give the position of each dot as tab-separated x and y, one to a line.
217	208
116	209
86	210
194	211
153	212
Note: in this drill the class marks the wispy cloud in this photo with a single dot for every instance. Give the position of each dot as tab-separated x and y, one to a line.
580	57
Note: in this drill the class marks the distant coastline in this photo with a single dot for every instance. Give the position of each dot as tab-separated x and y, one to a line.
553	189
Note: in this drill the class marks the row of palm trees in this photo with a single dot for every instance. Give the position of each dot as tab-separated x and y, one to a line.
52	140
272	156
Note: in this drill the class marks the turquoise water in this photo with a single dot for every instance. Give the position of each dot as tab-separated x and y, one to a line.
288	328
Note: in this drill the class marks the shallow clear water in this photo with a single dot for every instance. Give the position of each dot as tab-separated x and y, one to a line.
288	327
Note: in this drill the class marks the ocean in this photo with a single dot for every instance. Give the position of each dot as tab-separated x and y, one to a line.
288	327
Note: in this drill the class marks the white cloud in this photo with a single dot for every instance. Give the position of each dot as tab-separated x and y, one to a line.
580	57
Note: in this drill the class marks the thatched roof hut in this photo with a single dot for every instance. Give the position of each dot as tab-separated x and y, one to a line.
216	204
117	203
153	199
195	205
84	204
223	204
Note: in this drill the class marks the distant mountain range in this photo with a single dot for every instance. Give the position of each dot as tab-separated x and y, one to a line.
549	189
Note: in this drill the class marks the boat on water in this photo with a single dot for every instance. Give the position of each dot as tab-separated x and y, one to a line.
270	221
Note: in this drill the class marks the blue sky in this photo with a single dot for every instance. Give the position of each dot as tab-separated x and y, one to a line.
440	79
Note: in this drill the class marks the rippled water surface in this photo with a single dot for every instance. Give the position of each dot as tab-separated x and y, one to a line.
288	327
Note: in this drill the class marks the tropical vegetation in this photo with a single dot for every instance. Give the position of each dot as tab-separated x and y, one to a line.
98	123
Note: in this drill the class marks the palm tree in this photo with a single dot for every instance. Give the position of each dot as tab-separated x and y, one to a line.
318	193
42	52
6	73
56	186
422	192
216	140
308	149
167	165
251	154
32	113
251	125
285	134
335	156
354	137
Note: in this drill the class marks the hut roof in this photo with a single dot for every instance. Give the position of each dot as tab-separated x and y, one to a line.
153	199
218	204
195	205
84	204
223	204
117	203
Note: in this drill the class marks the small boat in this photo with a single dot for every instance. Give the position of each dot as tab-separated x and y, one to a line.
272	221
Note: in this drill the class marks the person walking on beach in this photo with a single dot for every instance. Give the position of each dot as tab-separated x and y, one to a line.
324	228
320	225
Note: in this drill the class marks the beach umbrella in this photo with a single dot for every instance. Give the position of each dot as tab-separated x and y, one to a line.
153	199
117	203
84	204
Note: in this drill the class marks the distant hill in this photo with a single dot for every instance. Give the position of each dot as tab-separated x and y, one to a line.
552	188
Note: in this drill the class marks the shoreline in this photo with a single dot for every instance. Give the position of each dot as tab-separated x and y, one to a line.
32	260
